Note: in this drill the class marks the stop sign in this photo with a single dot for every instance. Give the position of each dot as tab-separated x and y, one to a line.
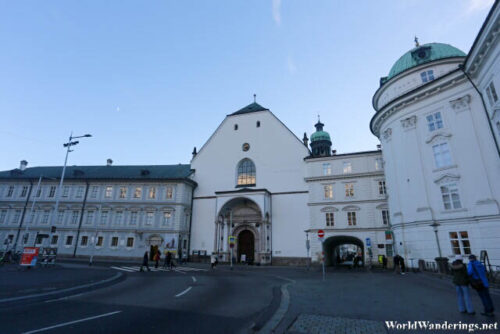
321	234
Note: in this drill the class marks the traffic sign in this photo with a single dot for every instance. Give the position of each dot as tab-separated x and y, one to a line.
368	242
321	234
232	241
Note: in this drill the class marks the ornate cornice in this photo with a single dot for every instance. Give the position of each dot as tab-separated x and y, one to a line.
461	104
409	123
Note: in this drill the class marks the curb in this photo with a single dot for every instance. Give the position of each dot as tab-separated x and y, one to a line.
271	325
13	300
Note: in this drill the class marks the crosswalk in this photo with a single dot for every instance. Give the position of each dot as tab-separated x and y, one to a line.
182	270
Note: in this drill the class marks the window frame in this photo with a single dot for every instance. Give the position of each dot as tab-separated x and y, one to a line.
351	218
442	157
458	241
246	172
329	219
451	201
327	168
328	191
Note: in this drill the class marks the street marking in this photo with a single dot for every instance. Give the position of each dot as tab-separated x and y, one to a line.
63	298
132	268
194	278
124	269
183	292
72	322
179	271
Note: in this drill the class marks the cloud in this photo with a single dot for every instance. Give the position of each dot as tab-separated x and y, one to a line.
277	11
290	65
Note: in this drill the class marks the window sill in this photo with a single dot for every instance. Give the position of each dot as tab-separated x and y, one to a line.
454	210
245	185
444	168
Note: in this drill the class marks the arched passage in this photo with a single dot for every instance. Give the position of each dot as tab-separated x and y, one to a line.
343	250
246	246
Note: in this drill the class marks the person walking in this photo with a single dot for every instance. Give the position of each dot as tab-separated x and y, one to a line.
168	260
479	282
156	258
397	260
461	282
145	261
213	261
402	264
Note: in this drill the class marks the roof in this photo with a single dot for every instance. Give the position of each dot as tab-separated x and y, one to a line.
320	135
423	54
139	172
253	107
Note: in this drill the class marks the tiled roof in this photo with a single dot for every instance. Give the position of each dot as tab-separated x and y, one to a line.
253	107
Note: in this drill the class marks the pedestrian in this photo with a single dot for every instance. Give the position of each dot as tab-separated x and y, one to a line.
156	258
213	261
384	261
402	264
168	260
479	282
397	268
145	261
461	282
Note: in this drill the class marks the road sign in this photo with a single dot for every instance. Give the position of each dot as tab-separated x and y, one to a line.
368	242
321	234
30	255
232	241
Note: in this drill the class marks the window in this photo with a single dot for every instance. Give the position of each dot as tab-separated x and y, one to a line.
16	216
328	190
24	191
351	218
10	191
93	192
79	192
451	198
149	218
69	240
99	241
3	214
166	217
327	169
38	240
138	192
65	191
119	217
235	127
133	217
52	191
427	76
492	94
90	217
74	217
130	242
460	244
123	192
104	217
442	155
258	124
246	173
381	188
170	192
385	217
114	242
434	121
109	192
349	190
379	164
329	219
60	216
84	241
45	216
347	167
152	192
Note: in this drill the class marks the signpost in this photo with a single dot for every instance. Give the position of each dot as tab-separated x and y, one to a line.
370	254
30	256
321	235
232	242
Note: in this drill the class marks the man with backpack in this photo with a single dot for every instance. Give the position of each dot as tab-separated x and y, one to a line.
479	282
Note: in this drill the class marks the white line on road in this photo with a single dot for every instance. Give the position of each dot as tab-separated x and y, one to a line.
72	322
179	271
124	269
183	292
194	278
64	298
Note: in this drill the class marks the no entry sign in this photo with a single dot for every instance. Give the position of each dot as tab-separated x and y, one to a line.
321	234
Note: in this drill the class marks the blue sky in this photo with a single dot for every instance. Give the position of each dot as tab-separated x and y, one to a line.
152	79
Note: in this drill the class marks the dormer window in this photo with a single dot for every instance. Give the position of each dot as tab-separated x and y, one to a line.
427	76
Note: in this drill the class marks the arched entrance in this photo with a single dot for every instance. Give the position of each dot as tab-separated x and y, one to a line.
246	246
344	251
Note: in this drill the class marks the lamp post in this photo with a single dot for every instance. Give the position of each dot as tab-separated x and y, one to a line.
435	227
58	197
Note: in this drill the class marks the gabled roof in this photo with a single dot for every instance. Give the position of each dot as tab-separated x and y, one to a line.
139	172
253	107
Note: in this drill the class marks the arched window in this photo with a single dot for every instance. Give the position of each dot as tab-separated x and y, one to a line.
246	173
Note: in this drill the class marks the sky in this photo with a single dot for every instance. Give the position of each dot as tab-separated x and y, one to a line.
152	79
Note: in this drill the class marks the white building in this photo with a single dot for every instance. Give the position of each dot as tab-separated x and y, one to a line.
439	143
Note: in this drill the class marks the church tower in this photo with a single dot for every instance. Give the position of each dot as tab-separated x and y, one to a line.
321	146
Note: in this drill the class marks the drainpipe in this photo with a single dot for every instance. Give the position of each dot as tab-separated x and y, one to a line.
190	223
484	107
81	217
23	215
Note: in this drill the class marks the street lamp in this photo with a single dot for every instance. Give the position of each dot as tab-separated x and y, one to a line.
58	197
435	227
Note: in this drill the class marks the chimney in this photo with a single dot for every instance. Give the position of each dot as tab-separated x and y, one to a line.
305	139
109	162
379	147
23	165
334	152
194	152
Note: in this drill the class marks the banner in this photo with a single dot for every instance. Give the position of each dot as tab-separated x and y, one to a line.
171	242
30	256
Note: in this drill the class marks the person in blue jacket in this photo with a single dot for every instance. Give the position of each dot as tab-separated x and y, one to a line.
477	271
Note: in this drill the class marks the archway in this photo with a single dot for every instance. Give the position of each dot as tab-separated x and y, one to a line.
344	250
246	246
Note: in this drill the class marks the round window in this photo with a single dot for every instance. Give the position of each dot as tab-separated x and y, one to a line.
246	147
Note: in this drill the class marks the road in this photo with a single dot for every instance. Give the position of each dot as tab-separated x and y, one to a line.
183	301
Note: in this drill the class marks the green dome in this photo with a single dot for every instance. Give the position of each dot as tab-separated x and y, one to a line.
320	135
424	54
